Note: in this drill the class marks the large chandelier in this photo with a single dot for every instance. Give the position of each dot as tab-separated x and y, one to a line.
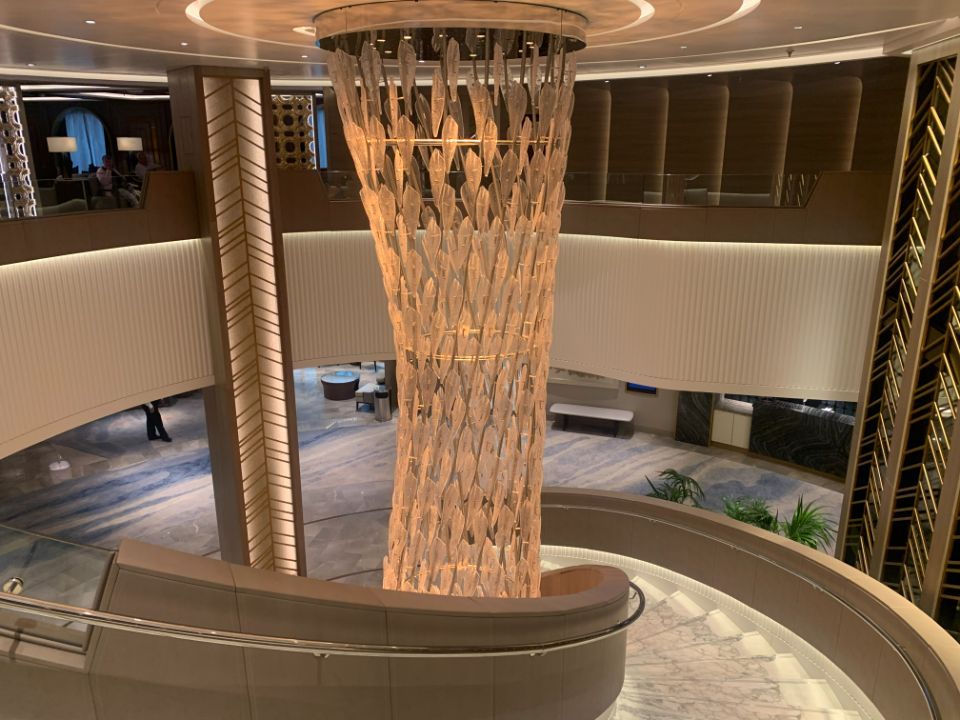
459	131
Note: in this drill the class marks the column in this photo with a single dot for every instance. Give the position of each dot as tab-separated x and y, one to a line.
224	134
15	165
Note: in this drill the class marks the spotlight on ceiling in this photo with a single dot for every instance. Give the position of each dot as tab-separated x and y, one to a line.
90	22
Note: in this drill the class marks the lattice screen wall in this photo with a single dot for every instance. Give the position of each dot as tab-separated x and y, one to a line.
900	516
294	131
19	198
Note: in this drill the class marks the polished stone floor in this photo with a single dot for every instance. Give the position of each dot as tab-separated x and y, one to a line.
698	653
120	485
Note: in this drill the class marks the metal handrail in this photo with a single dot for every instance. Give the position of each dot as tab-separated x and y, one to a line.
894	645
50	609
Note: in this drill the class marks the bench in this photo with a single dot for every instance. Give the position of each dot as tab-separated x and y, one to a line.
565	411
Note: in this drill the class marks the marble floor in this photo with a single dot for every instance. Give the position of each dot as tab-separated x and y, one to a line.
698	653
686	657
119	484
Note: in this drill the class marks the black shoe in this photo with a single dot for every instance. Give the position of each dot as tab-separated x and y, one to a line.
167	438
151	439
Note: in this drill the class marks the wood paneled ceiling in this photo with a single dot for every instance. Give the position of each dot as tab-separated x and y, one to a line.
139	40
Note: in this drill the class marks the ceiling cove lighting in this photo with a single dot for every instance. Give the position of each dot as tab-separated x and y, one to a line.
468	267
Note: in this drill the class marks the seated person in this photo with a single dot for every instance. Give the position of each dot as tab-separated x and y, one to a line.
108	183
106	177
144	165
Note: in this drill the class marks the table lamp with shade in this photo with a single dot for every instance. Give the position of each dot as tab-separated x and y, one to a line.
129	145
61	146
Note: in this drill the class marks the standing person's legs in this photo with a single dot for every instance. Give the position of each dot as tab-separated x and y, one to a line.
158	423
152	425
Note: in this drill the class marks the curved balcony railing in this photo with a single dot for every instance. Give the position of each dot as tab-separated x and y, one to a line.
71	614
31	570
918	675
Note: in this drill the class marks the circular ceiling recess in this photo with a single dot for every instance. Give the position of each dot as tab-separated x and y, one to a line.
476	26
142	39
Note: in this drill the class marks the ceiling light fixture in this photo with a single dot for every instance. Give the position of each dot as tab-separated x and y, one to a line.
798	27
184	44
304	56
31	64
683	47
90	22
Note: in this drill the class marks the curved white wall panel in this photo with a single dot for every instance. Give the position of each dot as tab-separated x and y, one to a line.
758	318
754	318
338	309
85	335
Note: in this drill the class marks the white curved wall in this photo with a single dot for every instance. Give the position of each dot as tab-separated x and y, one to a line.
85	335
754	318
338	309
757	318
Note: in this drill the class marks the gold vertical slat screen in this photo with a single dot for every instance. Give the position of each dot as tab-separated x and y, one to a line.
922	157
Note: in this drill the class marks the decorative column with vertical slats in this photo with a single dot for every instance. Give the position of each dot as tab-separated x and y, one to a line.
225	135
18	191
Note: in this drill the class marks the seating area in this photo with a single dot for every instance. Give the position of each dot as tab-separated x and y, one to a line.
565	411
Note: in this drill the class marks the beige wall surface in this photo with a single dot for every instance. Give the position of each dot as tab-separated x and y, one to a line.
651	413
780	320
777	320
90	334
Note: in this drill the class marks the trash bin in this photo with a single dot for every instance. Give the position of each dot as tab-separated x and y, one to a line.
381	404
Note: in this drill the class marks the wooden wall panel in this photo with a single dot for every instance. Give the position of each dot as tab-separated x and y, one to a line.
823	124
697	127
95	333
878	125
757	125
587	160
638	136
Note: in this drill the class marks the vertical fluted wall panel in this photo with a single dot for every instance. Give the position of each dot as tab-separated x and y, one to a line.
84	335
336	298
780	320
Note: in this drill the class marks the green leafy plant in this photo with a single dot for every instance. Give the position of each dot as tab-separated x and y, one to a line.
809	526
676	487
753	511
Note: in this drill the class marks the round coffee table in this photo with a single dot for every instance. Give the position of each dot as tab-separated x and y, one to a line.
340	385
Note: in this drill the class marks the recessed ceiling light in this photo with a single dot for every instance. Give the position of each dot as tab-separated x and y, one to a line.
387	52
31	64
90	22
837	62
481	35
709	74
683	47
184	44
798	27
408	37
473	54
304	56
381	39
642	67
